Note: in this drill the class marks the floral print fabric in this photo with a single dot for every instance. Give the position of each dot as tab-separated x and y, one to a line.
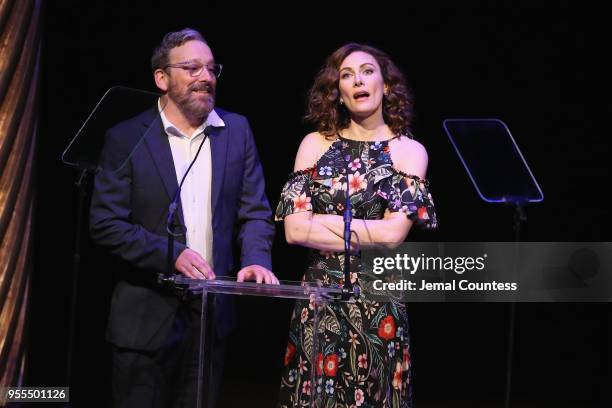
374	185
365	355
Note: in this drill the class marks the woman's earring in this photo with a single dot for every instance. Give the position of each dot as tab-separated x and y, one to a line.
341	101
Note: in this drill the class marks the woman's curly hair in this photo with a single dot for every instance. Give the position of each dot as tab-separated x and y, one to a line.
329	116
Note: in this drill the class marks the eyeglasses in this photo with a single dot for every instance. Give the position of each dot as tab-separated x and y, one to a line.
195	70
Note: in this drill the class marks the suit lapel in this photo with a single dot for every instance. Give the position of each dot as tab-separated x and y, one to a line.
157	142
218	148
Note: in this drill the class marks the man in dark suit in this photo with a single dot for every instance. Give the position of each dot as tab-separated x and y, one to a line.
155	335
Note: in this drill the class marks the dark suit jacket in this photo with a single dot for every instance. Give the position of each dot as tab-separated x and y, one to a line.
129	207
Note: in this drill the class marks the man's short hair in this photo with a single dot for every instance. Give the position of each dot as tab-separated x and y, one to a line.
160	57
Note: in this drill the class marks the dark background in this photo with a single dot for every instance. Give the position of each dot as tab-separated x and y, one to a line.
525	64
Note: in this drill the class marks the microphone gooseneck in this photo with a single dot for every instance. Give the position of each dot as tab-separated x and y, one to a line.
348	291
166	277
348	217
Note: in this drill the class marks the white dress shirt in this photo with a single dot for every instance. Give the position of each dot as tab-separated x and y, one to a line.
196	190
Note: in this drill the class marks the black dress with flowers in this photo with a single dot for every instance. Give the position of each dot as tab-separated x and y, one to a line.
365	360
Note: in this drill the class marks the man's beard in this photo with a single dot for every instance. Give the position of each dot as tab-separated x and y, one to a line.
195	107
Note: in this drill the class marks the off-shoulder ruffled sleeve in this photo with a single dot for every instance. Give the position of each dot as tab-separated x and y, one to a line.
410	194
296	195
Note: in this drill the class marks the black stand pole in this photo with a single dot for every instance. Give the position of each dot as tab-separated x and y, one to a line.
166	279
81	185
519	218
347	288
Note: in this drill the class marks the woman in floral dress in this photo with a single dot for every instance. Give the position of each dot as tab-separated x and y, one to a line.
361	107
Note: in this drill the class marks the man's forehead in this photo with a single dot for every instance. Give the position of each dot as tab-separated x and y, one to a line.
192	50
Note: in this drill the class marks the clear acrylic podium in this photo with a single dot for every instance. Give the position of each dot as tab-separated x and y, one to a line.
206	290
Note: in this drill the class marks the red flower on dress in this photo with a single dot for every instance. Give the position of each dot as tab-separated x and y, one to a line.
386	330
358	397
397	377
319	363
304	315
289	353
357	182
331	365
355	165
423	213
362	361
306	388
406	359
302	203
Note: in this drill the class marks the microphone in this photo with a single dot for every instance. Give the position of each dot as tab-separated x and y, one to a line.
348	290
348	217
167	276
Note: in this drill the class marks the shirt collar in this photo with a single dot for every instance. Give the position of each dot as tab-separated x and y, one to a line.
213	120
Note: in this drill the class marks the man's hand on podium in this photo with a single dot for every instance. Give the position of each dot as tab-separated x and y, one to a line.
257	273
191	264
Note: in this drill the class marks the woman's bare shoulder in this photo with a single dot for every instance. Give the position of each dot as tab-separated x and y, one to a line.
313	146
409	156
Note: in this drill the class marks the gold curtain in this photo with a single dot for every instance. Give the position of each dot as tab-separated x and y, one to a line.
19	112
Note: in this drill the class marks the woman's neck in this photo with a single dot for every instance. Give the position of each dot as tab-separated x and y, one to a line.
367	131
